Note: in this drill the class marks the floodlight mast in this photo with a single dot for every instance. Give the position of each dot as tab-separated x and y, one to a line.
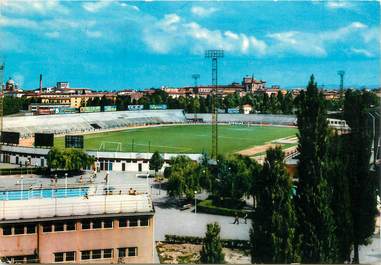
341	73
214	55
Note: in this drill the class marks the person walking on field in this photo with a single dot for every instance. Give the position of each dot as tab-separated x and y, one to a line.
236	219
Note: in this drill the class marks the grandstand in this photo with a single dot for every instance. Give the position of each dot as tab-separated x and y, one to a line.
90	122
247	118
100	121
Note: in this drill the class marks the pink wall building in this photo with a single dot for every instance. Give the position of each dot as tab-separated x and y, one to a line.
97	229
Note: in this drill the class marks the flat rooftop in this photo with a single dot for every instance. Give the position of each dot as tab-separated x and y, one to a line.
74	207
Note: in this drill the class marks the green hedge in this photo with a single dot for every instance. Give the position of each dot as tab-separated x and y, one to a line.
20	171
207	206
228	243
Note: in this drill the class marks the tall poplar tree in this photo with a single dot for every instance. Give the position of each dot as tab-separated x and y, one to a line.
272	235
362	185
341	200
316	225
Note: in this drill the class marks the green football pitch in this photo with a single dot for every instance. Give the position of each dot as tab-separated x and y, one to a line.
182	138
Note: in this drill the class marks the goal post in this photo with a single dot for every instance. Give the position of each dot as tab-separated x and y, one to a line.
110	146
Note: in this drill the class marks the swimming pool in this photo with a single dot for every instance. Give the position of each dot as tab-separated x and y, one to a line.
42	193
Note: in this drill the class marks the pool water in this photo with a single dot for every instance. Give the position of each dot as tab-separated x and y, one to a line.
42	193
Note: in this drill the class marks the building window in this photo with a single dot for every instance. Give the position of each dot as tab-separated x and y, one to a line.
47	227
144	221
121	252
7	230
64	256
123	222
19	229
132	252
58	227
107	223
96	254
107	253
132	222
31	229
70	226
97	224
85	255
59	257
70	256
86	224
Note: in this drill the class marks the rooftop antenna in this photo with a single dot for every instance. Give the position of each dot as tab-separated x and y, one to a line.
214	55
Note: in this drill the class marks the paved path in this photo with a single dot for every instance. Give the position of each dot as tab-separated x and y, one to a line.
187	223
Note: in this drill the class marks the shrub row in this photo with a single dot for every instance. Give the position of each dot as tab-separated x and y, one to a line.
19	171
207	206
227	243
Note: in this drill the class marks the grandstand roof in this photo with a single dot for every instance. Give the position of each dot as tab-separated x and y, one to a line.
86	122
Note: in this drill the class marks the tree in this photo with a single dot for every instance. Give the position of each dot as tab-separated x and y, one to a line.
211	252
156	162
69	159
184	179
232	179
362	186
316	225
272	236
341	203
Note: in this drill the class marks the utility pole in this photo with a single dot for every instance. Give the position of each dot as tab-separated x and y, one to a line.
214	55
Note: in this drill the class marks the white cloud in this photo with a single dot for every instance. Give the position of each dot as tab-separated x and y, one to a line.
362	52
338	5
202	11
52	34
18	23
174	33
133	7
29	7
94	34
313	44
94	7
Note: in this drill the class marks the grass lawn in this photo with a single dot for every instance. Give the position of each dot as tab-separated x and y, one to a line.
183	138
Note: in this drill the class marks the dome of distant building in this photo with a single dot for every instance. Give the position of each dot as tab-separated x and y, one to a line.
10	85
10	81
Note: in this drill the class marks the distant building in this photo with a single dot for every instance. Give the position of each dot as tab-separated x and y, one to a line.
247	109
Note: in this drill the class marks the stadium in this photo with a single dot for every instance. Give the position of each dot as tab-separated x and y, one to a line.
169	131
110	136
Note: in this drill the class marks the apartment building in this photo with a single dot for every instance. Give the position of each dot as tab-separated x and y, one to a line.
85	229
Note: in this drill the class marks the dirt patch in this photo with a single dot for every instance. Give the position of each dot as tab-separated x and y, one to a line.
190	253
257	149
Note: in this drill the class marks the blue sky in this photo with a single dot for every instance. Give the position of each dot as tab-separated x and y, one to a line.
109	45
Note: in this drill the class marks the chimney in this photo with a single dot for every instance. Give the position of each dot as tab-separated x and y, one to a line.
40	83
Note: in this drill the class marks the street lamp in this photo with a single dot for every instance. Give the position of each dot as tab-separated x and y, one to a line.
195	202
65	184
22	186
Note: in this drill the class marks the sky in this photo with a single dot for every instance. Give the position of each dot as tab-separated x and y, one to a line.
112	45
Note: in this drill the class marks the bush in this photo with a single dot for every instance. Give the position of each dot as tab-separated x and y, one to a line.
207	206
227	243
20	171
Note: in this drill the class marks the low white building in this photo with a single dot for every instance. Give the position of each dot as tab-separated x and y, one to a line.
105	161
129	161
